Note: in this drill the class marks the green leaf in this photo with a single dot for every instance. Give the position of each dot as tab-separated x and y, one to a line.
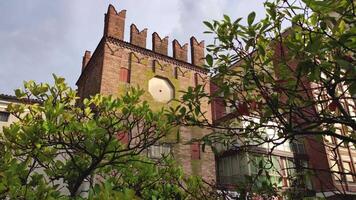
38	146
251	18
261	50
19	93
352	89
271	10
209	25
183	111
197	111
209	60
323	25
227	18
342	27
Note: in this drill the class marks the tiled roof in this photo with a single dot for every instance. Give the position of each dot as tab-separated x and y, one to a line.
15	99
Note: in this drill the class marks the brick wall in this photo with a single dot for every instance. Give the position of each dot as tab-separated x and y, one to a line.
90	80
159	45
137	37
180	52
197	51
115	64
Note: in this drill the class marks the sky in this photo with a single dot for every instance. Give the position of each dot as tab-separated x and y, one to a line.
42	37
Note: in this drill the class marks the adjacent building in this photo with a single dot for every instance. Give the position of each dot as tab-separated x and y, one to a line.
5	117
332	161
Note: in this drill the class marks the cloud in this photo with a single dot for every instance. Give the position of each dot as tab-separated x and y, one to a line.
193	13
29	41
41	37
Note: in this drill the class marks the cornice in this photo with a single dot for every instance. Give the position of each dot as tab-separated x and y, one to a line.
156	55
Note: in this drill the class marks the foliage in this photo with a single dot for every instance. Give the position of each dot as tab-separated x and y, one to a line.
61	147
143	180
298	82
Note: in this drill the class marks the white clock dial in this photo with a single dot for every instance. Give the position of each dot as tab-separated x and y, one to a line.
160	89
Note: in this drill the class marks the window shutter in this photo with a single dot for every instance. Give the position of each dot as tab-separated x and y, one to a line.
196	80
195	150
123	137
124	75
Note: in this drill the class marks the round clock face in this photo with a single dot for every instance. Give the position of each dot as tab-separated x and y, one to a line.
160	89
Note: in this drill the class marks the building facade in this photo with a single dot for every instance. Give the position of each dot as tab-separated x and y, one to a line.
331	160
5	118
116	65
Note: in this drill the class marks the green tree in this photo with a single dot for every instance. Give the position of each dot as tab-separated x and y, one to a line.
299	81
61	147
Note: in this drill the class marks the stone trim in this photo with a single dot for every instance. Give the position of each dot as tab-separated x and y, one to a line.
156	55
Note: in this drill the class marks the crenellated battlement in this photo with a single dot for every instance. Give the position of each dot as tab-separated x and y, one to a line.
137	37
114	23
86	58
197	51
159	45
115	28
180	52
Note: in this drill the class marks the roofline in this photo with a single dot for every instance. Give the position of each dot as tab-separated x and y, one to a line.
15	99
148	52
152	53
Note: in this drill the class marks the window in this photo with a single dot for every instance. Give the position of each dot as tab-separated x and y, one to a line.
161	89
347	169
334	166
286	146
306	178
348	132
290	165
225	167
232	169
157	151
255	163
4	116
298	147
195	150
124	75
275	172
328	139
338	131
284	173
266	165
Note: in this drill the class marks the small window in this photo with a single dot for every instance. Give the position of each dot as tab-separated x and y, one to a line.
123	137
124	75
4	116
157	151
195	150
298	147
196	80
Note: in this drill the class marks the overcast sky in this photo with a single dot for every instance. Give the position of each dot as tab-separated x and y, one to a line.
41	37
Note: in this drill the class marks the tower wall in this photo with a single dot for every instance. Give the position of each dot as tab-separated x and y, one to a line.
117	64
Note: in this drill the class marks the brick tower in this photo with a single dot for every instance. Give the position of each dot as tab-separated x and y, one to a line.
116	64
